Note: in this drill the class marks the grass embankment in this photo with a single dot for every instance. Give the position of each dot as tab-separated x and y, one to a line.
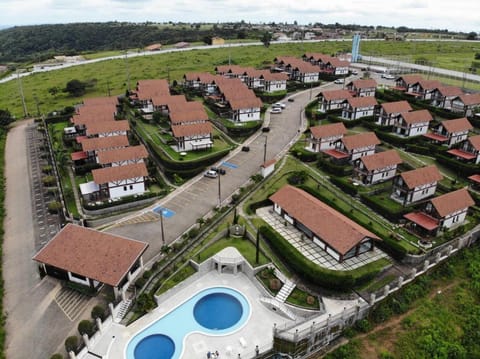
435	317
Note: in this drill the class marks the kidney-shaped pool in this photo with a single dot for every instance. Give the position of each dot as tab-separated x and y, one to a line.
213	311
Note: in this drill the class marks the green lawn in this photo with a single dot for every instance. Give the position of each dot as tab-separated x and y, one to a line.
112	75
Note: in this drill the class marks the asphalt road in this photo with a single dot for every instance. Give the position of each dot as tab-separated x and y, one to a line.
200	196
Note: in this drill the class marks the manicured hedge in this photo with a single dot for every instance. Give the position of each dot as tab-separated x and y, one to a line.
271	97
303	154
347	123
313	273
252	207
461	168
325	164
344	184
393	212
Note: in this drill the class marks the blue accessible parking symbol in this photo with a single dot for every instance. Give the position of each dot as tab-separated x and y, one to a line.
165	212
229	165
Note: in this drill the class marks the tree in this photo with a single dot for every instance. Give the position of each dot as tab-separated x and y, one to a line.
98	311
86	327
6	118
53	90
266	39
472	35
75	88
71	343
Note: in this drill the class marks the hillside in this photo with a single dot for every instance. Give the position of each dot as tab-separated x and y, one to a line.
39	42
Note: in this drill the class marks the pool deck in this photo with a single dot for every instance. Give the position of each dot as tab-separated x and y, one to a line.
257	330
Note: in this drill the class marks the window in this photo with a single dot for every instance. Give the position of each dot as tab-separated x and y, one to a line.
124	188
131	186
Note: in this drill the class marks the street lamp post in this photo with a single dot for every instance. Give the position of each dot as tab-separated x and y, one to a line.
265	150
161	226
219	192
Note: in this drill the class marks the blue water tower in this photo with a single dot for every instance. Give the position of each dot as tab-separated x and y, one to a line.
355	47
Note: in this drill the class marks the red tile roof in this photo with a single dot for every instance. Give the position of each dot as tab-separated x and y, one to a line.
331	95
104	143
429	84
100	101
119	173
396	107
469	99
169	100
191	111
360	140
423	220
330	130
104	257
452	202
336	154
410	79
363	83
450	91
462	154
306	67
457	125
147	89
318	57
338	231
364	101
381	160
435	137
122	154
418	116
203	77
475	141
230	69
96	128
192	129
79	155
475	178
421	176
275	76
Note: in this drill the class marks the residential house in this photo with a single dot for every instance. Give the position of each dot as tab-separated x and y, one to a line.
423	89
304	72
451	132
145	90
358	107
92	146
405	82
122	156
337	67
469	150
230	71
362	87
388	112
379	167
333	232
274	81
108	128
442	96
332	99
415	185
241	102
466	104
120	181
193	136
324	137
355	146
442	212
412	123
92	258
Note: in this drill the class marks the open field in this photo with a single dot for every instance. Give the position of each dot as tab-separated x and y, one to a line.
115	76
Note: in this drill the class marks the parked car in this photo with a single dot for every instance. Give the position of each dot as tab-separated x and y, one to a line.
354	72
279	104
211	174
276	110
388	76
219	170
245	148
266	129
291	99
339	81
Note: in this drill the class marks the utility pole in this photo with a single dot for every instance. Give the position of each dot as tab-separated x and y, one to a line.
20	89
127	70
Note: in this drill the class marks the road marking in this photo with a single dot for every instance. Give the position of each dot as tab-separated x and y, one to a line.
229	165
165	212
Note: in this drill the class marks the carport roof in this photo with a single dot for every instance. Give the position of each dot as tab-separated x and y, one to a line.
103	257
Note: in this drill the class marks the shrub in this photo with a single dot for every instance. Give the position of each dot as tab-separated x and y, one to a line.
310	300
86	327
145	302
275	284
47	169
71	344
140	282
48	181
98	311
56	356
54	207
297	178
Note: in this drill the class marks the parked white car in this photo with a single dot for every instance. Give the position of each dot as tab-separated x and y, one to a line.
276	110
339	81
388	76
211	174
279	104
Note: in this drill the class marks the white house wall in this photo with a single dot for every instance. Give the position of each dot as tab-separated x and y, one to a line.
383	175
127	189
455	218
423	192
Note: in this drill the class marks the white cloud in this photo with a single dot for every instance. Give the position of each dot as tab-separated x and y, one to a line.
439	14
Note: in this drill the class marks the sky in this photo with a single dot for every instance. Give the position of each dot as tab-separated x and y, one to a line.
454	15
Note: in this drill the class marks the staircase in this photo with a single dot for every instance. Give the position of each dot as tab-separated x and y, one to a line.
71	302
122	311
285	291
273	303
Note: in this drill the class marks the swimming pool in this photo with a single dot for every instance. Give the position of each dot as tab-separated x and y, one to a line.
213	311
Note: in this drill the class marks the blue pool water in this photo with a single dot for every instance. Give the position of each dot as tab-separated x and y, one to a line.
213	311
